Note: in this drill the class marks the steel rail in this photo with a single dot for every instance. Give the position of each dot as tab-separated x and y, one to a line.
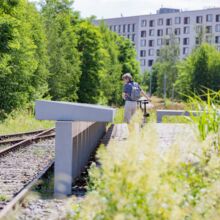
42	135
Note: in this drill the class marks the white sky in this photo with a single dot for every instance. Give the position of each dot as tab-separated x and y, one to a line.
114	8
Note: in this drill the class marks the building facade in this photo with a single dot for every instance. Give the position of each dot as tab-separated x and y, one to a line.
150	32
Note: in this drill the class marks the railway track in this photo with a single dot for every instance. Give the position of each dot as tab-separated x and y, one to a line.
18	137
22	163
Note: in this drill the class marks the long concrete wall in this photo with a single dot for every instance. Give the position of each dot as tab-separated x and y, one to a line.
75	142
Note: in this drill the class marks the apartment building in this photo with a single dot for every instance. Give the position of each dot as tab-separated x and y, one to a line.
150	32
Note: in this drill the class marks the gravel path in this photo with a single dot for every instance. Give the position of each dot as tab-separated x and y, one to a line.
181	135
39	209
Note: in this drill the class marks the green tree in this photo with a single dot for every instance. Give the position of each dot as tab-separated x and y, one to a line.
92	62
64	58
165	65
20	55
40	75
198	71
111	83
128	57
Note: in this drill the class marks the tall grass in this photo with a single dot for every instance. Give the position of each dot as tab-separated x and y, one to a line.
119	117
22	121
135	181
208	108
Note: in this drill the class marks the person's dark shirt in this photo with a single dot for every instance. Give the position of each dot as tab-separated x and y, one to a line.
127	90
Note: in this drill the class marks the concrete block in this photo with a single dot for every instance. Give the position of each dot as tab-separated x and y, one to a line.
161	113
66	111
75	141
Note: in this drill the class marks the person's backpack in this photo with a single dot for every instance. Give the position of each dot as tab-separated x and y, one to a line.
135	92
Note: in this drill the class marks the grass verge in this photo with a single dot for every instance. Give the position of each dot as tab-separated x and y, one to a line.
22	121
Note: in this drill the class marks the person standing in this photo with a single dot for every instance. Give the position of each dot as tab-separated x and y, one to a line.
131	93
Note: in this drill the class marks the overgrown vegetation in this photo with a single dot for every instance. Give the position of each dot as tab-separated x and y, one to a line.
136	181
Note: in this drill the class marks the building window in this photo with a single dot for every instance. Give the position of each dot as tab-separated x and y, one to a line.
143	53
119	28
209	18
217	27
177	31
128	36
129	27
167	42
169	22
186	30
143	62
186	20
150	52
168	31
217	18
186	41
208	29
199	19
110	27
143	33
151	32
158	52
160	22
159	42
185	51
151	43
133	27
133	37
150	63
124	28
177	40
143	43
151	23
209	39
160	32
143	23
177	20
199	29
217	39
198	41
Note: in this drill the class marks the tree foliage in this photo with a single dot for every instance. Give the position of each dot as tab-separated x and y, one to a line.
166	66
92	66
64	66
199	71
23	57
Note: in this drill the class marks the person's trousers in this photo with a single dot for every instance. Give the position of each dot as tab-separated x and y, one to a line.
130	108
